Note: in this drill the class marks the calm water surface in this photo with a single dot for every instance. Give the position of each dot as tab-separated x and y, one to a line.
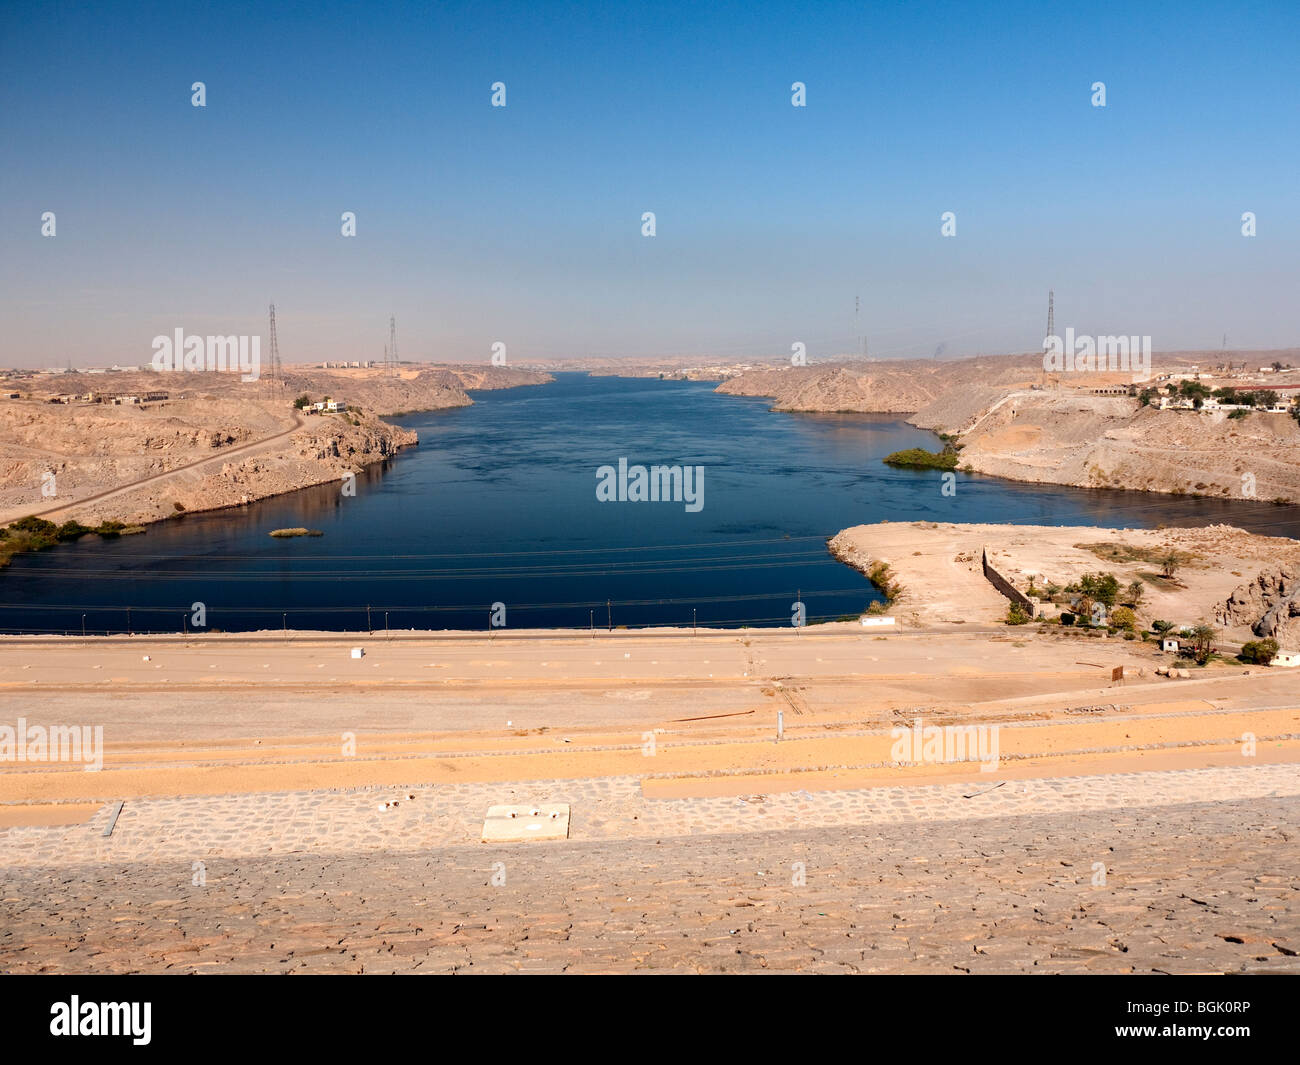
498	505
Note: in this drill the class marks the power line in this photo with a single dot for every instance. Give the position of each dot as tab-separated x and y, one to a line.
450	608
714	544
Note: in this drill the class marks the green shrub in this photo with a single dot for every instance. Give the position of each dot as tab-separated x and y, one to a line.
1258	652
35	526
1122	618
919	459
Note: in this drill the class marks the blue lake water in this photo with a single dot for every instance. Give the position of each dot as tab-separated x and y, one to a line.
498	505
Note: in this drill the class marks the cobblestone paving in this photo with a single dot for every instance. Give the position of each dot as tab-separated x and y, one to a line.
188	829
1188	888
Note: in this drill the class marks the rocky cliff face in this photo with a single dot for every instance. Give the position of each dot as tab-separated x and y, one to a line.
210	440
1089	441
322	452
1269	605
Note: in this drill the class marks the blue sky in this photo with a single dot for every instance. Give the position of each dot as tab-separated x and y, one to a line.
522	224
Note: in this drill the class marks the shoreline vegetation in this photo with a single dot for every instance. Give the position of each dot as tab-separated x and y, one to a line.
38	534
285	534
886	581
917	458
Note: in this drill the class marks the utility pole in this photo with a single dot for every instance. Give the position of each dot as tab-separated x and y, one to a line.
369	628
391	369
609	611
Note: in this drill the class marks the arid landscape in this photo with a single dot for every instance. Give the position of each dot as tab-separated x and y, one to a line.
217	442
648	489
1011	420
212	442
376	772
354	772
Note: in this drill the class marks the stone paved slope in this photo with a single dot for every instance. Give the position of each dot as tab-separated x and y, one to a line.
1188	888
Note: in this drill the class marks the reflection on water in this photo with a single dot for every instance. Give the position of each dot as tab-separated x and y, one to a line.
498	505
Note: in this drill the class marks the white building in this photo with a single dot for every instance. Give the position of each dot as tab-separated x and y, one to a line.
1286	659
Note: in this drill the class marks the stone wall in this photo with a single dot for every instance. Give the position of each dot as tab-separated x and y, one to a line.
1005	586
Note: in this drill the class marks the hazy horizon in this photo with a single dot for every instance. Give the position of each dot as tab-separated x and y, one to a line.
522	224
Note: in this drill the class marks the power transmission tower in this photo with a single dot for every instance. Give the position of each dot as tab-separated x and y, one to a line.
275	380
390	367
1051	328
857	326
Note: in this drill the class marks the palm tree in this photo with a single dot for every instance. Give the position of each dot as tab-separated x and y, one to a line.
1202	640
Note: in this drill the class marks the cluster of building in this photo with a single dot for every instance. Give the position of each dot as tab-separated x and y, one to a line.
1174	645
116	399
1209	403
362	364
85	369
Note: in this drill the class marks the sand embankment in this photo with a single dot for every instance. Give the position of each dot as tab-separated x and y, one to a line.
939	567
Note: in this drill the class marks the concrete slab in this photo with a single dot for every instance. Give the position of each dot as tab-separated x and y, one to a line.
47	815
515	824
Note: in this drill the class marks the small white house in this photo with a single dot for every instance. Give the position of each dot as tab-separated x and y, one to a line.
1169	643
1286	658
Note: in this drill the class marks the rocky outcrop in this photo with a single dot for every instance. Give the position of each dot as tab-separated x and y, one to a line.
1269	605
437	388
1090	441
209	440
887	387
834	389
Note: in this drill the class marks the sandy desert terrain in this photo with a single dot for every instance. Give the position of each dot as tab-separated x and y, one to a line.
213	442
